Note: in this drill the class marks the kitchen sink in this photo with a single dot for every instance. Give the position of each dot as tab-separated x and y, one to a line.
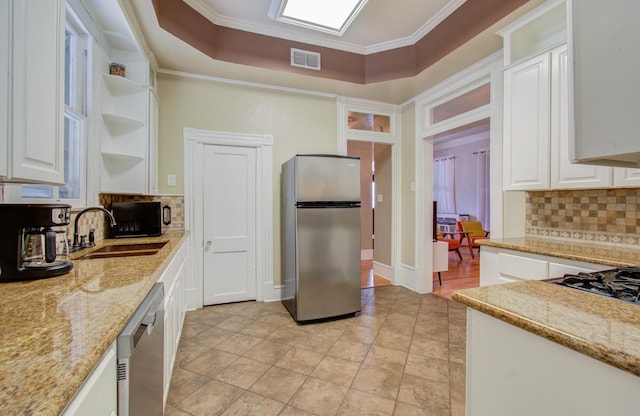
125	250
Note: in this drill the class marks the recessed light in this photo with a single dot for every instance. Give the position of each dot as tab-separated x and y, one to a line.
329	16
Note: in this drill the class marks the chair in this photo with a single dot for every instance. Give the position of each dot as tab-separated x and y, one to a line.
472	231
454	245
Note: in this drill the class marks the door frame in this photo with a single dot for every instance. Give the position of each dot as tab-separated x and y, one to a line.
194	142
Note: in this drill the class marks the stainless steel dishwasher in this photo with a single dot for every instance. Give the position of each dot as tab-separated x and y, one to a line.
141	358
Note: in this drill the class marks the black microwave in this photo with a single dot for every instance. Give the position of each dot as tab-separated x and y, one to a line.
136	219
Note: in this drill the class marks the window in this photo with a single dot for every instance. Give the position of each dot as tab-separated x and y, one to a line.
444	184
75	119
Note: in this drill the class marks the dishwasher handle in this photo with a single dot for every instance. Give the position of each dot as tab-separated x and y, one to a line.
142	321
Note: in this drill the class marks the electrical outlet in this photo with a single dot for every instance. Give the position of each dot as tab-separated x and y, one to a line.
171	180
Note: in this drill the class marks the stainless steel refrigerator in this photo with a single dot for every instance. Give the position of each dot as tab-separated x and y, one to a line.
321	236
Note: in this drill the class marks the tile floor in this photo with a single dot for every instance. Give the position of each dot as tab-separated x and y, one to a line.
403	355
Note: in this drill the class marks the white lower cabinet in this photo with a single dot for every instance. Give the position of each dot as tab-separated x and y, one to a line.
513	372
175	309
98	395
499	265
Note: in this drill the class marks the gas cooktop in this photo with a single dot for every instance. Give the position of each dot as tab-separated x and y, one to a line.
621	283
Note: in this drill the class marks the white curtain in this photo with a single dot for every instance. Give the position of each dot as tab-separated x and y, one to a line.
482	187
444	184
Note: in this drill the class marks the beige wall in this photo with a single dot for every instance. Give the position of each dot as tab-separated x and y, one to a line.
364	150
383	210
407	195
300	123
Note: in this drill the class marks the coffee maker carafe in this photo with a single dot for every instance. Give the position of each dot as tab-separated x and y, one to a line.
29	247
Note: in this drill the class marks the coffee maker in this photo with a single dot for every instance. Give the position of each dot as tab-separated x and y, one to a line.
29	247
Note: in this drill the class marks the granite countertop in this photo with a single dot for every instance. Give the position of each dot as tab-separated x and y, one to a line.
603	328
615	256
54	331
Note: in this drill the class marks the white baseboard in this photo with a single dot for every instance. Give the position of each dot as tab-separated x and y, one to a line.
383	270
271	292
366	254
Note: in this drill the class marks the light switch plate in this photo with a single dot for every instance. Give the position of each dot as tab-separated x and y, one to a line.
171	180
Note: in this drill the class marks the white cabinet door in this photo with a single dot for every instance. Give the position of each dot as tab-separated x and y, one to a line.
38	79
626	178
564	174
526	124
98	395
5	27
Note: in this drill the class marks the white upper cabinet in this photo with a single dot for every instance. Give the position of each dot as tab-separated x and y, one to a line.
536	107
564	174
527	124
603	45
34	56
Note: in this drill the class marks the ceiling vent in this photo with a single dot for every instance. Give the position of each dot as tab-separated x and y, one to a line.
305	59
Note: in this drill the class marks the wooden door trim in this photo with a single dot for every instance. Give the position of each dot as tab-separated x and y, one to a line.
194	140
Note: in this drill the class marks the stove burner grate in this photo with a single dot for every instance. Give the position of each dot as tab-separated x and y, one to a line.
620	283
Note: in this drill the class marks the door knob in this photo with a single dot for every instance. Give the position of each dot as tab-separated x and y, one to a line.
208	243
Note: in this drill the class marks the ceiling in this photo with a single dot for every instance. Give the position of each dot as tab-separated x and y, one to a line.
382	26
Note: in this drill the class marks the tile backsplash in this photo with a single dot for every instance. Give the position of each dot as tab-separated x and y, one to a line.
604	216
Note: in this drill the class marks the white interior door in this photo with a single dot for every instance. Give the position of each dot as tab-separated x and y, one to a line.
229	232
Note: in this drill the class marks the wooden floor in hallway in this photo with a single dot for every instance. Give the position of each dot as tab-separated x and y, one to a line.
462	274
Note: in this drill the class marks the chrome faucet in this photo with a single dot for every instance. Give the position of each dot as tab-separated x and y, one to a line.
77	245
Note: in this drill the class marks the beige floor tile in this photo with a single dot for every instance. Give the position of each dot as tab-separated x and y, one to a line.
172	411
349	350
458	374
183	383
238	344
457	335
243	372
424	393
379	381
187	351
429	348
192	328
254	404
288	336
427	367
437	330
403	409
300	360
336	370
319	343
359	333
458	354
458	400
267	351
279	384
319	397
277	318
385	358
209	315
211	336
292	411
259	329
358	403
392	340
211	362
235	323
211	399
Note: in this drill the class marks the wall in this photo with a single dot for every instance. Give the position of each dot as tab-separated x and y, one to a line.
300	123
407	193
604	216
465	169
383	208
364	150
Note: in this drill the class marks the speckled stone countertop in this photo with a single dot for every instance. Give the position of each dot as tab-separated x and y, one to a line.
615	256
54	331
603	328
